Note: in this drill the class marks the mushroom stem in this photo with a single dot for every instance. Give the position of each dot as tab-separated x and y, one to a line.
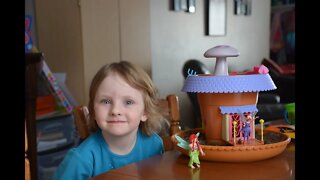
221	53
221	68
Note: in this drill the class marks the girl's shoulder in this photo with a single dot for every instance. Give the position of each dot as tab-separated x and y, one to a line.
154	138
149	145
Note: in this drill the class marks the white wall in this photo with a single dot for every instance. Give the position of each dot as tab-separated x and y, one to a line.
178	36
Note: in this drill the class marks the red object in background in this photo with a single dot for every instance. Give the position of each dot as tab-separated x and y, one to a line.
288	69
45	104
283	69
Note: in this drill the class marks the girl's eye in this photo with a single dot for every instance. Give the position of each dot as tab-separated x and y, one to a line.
129	102
106	101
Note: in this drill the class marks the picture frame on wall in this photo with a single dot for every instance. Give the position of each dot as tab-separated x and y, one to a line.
216	12
191	6
242	7
188	6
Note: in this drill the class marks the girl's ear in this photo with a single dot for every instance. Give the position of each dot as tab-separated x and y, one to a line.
144	117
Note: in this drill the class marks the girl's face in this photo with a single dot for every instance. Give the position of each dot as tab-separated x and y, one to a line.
118	107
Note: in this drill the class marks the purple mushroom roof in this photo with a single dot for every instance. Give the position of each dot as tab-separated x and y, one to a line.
228	84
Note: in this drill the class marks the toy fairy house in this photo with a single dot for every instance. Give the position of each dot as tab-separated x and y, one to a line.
228	101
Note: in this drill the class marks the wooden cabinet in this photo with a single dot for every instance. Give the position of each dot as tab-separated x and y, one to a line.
79	36
32	68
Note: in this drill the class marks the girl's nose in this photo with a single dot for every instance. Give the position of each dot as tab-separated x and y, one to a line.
115	114
116	110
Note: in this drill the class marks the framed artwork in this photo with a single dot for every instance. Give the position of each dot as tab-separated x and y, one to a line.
183	5
242	7
216	12
191	6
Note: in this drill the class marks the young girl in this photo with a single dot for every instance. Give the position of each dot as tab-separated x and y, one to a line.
125	118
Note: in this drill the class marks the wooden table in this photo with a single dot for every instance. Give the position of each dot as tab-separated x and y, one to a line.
173	165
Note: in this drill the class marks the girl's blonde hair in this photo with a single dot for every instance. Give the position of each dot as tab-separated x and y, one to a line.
137	78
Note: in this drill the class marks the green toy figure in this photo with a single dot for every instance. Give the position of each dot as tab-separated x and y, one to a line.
193	147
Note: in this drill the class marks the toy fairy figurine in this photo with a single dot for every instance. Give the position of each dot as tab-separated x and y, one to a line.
193	147
194	151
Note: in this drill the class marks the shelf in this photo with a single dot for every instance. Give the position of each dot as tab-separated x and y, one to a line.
52	115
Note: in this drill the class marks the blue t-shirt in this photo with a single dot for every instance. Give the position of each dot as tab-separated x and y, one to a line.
93	156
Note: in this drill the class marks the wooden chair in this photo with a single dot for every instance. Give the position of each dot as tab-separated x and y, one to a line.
172	113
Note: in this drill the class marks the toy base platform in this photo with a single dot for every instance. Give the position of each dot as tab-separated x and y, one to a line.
274	144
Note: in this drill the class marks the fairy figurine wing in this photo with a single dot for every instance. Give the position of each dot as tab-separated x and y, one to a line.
183	143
